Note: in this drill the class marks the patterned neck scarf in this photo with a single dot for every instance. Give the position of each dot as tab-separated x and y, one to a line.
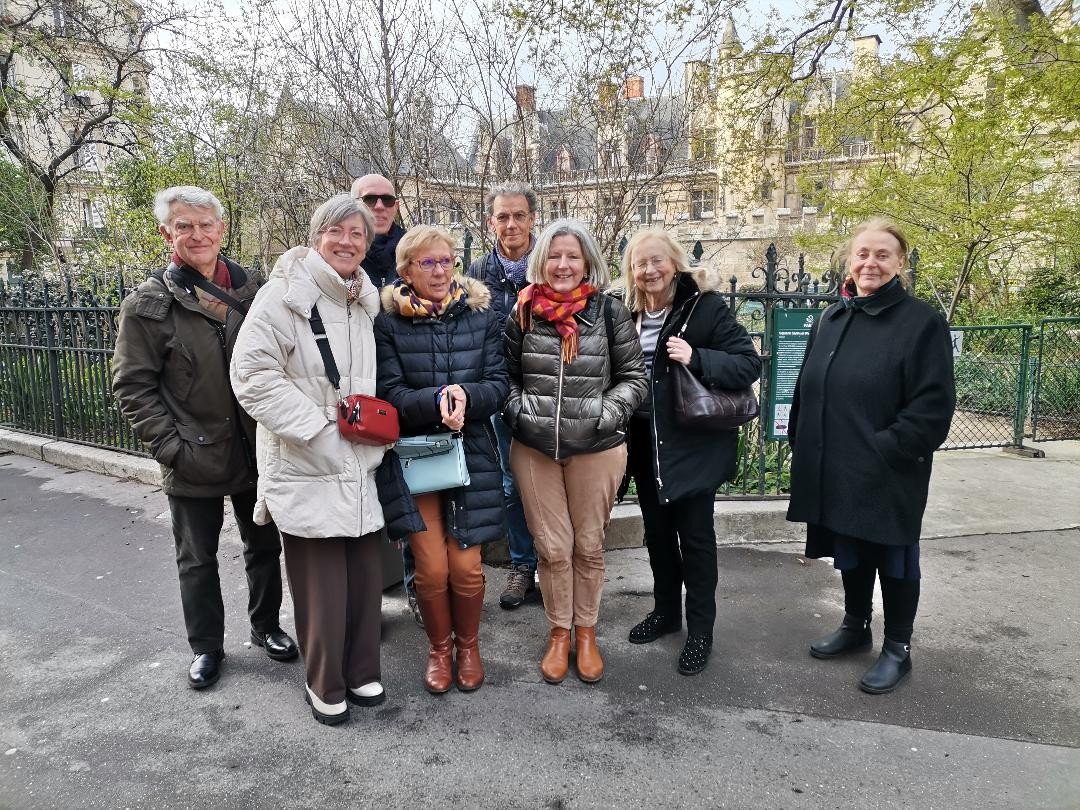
353	285
411	305
221	278
558	309
515	270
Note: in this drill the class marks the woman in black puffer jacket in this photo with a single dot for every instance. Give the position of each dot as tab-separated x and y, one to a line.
439	349
576	375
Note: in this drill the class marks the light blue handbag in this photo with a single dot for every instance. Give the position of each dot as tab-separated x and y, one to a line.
433	463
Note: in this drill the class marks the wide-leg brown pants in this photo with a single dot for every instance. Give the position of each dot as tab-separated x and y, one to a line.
336	586
568	505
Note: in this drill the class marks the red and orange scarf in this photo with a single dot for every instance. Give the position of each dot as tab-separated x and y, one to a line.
558	309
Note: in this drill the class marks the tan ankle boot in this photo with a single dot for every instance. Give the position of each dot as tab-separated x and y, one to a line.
466	611
590	666
437	623
556	661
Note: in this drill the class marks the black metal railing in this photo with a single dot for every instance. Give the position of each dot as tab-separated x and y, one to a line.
56	346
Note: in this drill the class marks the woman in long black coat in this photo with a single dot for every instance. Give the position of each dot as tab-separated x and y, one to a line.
440	363
678	471
874	399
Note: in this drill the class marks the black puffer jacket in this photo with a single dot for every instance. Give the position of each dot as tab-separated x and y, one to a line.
504	291
417	357
562	410
693	461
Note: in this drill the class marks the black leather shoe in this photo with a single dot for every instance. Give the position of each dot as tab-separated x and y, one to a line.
653	626
277	644
694	655
853	636
205	669
893	665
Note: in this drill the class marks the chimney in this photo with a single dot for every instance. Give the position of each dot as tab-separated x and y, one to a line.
866	52
634	87
525	95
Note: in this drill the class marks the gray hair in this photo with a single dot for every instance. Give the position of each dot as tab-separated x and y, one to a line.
596	269
188	195
336	210
511	188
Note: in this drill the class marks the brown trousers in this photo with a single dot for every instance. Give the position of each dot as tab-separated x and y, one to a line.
441	563
336	586
568	505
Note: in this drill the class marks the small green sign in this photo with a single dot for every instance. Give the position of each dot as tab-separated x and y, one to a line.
790	331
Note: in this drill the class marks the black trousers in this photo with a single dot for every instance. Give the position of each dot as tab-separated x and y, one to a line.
899	600
196	529
681	540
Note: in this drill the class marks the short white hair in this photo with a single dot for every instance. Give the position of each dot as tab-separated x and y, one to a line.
189	195
336	210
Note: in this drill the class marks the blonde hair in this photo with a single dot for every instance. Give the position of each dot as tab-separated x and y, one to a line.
596	269
843	252
417	238
632	298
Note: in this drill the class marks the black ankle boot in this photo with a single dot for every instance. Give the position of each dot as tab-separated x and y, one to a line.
893	665
853	636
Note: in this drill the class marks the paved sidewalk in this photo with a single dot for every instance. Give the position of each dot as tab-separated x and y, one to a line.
94	710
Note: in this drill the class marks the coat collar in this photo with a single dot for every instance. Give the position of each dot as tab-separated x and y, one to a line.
477	295
874	304
308	277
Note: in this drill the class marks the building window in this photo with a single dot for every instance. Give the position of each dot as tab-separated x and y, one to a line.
765	189
428	214
703	144
702	203
453	215
646	208
560	209
609	207
87	214
564	161
809	134
609	156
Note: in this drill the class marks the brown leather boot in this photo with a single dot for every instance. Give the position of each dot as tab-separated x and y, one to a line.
556	661
437	622
590	666
466	611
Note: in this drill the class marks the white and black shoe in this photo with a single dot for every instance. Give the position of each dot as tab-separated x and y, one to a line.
329	714
370	694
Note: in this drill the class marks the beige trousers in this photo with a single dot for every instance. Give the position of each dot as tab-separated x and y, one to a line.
568	505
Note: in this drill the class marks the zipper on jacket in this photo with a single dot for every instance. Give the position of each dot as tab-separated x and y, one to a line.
655	432
558	403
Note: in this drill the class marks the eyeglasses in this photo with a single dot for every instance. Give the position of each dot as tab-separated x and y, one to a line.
429	265
182	227
356	234
654	261
387	200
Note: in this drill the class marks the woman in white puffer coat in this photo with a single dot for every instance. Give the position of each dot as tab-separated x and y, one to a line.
319	488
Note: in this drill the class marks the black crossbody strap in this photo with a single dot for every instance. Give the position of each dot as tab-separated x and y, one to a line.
323	342
609	321
186	276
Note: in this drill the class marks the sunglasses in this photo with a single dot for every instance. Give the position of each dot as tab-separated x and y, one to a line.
387	200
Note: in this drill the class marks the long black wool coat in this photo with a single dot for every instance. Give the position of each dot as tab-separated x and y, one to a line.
874	399
416	357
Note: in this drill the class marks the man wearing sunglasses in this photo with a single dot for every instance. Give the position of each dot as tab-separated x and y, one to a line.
511	211
378	194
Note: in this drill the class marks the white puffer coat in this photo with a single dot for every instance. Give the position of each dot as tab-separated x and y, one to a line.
312	482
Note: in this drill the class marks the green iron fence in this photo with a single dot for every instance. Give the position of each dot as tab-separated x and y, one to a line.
1055	402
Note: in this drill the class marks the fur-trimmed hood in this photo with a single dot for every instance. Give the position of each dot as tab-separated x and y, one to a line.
477	295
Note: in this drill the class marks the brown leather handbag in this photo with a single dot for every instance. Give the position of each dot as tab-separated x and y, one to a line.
698	406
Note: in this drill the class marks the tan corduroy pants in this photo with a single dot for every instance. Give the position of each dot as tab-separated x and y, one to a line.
568	505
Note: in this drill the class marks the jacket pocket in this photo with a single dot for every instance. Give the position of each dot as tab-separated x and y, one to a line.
323	455
179	372
204	458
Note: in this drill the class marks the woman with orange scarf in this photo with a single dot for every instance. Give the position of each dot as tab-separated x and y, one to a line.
576	376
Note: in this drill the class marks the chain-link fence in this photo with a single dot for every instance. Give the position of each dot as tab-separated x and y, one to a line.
1055	405
992	385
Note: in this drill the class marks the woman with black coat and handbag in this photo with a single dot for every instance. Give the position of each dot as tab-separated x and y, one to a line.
874	399
678	470
439	348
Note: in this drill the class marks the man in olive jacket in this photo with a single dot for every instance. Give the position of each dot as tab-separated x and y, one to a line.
171	377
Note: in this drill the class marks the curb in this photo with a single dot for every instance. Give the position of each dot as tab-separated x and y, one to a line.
73	456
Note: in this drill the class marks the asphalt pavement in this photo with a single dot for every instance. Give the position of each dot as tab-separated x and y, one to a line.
95	711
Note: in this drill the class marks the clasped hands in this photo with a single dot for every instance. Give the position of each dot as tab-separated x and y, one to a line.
452	407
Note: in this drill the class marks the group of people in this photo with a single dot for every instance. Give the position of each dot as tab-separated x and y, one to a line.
560	388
